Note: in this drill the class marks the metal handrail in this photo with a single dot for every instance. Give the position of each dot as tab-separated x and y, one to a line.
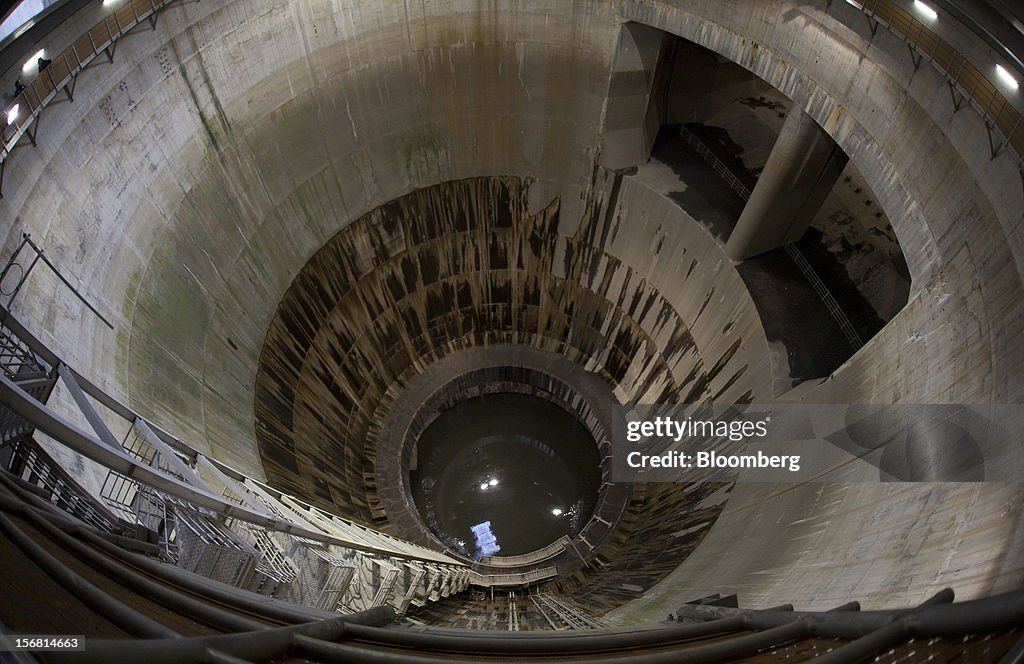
962	76
307	523
834	310
513	579
537	556
85	443
64	68
716	164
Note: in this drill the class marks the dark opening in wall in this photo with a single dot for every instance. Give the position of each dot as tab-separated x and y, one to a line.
505	474
814	247
459	289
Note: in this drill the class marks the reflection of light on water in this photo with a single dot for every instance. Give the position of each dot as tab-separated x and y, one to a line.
574	516
486	542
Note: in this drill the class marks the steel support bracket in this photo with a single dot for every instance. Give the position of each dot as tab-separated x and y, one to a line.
33	130
958	98
69	88
872	24
915	56
995	146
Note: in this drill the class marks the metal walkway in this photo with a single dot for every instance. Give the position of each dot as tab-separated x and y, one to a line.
562	615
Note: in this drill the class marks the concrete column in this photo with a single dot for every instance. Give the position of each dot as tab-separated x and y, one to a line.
635	96
799	175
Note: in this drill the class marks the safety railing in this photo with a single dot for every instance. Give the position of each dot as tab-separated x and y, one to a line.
224	524
716	164
516	579
1002	120
274	570
60	75
540	555
966	83
561	615
834	310
241	532
25	459
513	613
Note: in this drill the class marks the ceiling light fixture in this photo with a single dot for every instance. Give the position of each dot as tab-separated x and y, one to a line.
930	13
27	67
1006	77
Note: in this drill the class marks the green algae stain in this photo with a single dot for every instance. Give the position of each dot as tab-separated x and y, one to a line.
421	156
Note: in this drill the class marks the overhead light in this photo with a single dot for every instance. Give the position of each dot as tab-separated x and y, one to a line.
926	10
493	482
1006	77
12	114
483	487
556	512
33	60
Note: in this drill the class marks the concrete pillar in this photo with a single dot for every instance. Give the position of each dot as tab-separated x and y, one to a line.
635	96
799	175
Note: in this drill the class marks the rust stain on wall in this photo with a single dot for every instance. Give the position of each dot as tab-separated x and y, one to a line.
441	269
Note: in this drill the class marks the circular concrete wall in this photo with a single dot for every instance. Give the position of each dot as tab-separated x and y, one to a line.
193	178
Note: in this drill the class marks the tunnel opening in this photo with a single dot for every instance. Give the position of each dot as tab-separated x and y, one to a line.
465	290
505	474
208	156
504	460
813	245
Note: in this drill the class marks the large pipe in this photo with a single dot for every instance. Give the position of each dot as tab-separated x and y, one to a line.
556	643
99	601
258	645
728	649
271	609
930	619
173	599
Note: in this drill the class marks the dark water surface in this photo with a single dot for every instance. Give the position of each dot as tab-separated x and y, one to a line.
505	474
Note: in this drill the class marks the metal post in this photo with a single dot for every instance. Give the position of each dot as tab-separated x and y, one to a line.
21	281
69	88
39	252
872	24
88	410
958	100
187	473
915	56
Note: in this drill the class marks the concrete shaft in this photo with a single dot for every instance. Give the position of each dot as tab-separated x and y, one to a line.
801	171
194	177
